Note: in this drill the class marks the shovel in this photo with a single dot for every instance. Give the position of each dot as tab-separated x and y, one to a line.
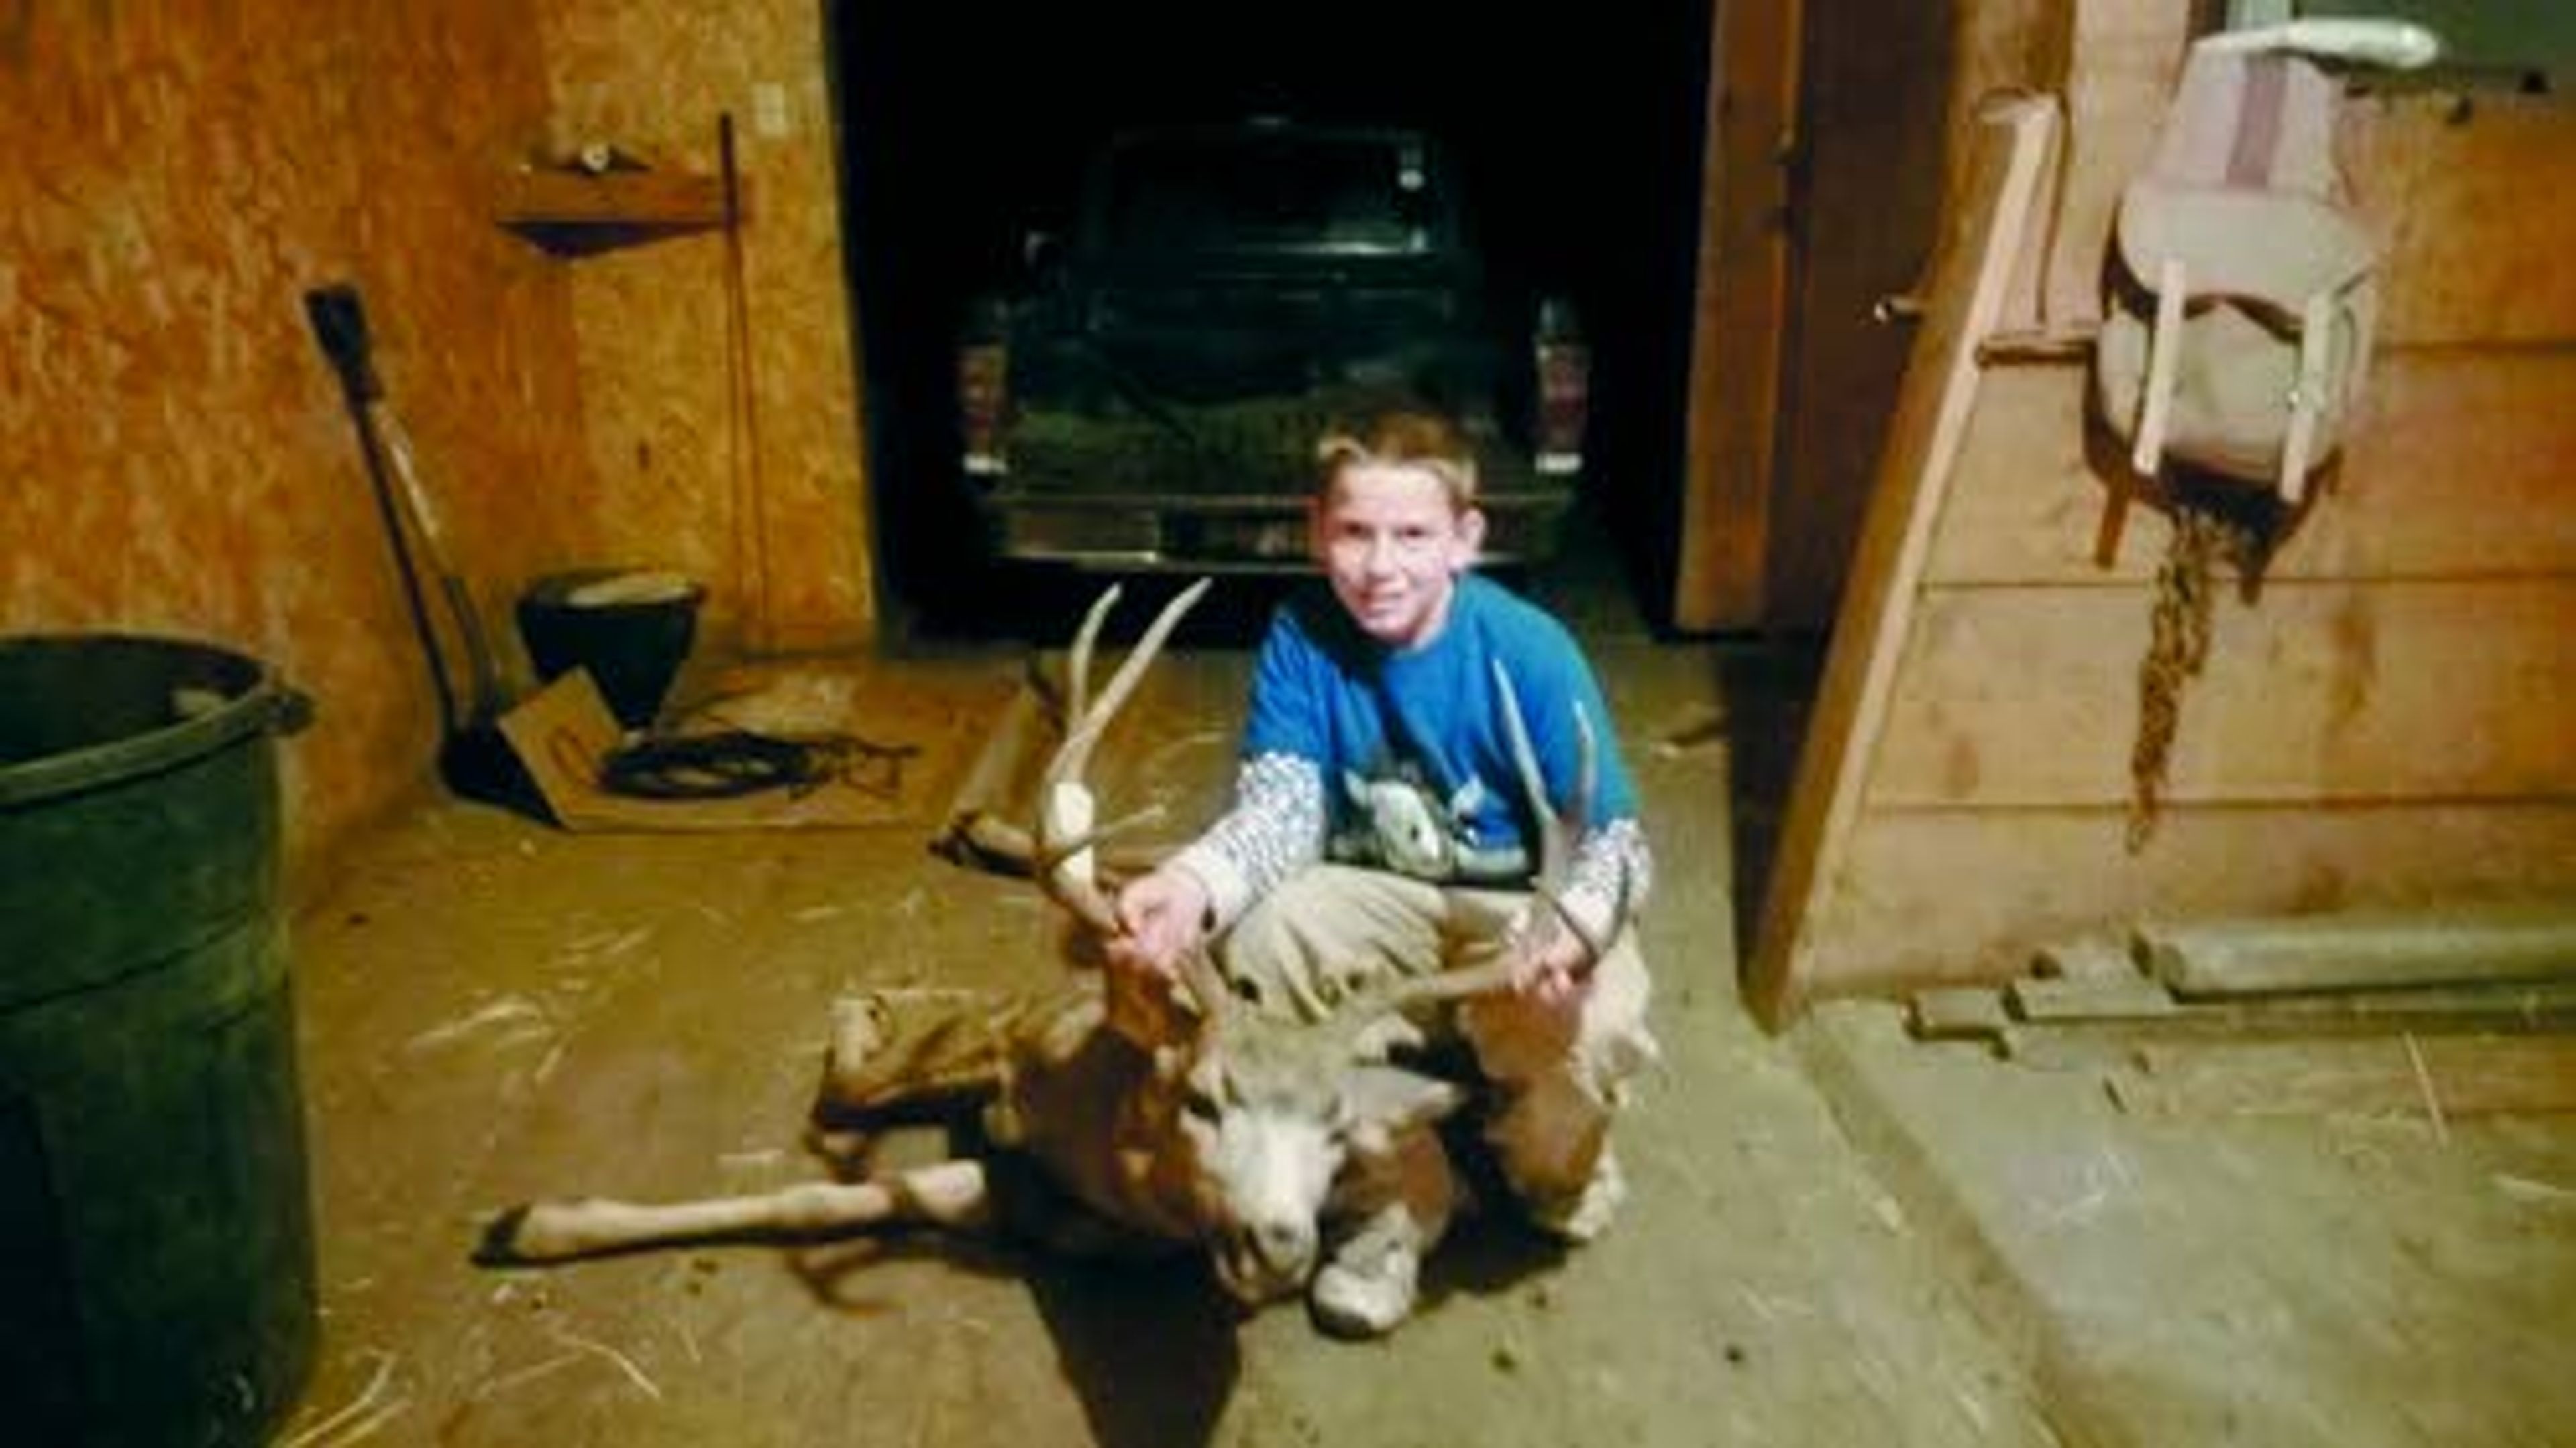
473	758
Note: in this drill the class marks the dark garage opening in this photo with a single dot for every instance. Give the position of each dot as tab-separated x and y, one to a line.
964	128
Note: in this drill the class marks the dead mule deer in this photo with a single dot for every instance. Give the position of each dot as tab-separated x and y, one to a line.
1210	1125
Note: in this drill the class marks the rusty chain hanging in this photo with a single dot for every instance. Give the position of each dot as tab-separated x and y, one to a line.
2178	644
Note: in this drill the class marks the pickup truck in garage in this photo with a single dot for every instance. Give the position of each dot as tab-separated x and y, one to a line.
1150	396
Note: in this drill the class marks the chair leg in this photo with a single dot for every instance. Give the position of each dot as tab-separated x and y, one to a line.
2164	349
2307	395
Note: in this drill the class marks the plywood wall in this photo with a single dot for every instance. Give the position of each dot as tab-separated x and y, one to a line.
2383	722
176	456
768	507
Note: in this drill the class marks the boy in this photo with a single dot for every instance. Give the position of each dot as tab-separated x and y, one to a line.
1379	826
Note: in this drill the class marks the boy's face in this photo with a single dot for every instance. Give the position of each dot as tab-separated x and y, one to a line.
1393	546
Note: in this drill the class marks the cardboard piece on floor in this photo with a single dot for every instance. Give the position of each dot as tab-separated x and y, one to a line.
564	732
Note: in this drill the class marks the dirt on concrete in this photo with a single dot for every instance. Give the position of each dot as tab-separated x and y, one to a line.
1835	1236
495	1010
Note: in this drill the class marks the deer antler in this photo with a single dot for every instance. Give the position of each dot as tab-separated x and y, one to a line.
1067	822
1068	826
1557	832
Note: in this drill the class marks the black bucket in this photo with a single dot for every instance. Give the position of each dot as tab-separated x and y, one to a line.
156	1241
632	628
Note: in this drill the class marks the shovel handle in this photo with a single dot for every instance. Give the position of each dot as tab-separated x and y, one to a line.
340	324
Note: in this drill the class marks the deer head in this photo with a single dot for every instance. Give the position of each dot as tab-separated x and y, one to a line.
1269	1114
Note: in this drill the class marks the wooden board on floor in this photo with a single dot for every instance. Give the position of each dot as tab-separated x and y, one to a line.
2057	1000
2112	1038
1957	896
2434	1076
2529	940
1956	1013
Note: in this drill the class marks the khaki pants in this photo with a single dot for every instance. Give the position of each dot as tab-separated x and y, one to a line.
1559	1073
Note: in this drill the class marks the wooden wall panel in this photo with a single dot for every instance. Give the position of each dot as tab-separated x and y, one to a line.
2473	194
175	451
1963	895
781	535
174	456
2384	725
2450	180
2459	466
2453	182
2328	693
1866	216
1740	299
2123	59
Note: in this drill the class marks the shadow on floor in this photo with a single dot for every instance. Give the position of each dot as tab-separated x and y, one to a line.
1149	1347
1770	689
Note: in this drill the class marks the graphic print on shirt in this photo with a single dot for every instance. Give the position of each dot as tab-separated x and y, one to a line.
1399	821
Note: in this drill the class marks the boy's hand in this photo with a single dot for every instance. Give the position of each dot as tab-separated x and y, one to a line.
1165	915
1551	967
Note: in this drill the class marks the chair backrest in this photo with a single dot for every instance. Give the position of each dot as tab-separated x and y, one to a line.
2242	292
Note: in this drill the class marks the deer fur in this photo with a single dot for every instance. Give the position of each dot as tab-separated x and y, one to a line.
1191	1120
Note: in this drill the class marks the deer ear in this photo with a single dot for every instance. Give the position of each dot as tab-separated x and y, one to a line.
1386	1034
1390	1099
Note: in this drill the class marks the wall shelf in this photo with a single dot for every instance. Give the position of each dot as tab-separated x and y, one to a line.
573	212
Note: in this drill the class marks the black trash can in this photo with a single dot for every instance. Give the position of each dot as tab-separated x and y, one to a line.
156	1242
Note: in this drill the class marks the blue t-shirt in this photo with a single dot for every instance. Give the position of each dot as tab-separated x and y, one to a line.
1412	744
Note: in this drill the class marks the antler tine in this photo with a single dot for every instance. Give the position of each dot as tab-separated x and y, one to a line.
1077	666
1085	724
1206	985
1067	813
1557	829
1440	988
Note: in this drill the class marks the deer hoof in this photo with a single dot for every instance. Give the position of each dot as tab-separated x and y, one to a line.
860	1025
1582	1215
500	1244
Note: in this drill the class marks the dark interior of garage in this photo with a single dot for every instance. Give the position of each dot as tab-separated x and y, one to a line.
963	129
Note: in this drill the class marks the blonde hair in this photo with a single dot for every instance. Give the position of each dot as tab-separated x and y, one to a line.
1403	436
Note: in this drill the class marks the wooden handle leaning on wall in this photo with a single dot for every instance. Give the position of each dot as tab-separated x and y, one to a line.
1982	255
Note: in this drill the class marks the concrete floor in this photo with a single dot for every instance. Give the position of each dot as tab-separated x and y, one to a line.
1836	1237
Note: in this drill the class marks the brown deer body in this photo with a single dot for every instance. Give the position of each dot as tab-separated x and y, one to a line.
1190	1121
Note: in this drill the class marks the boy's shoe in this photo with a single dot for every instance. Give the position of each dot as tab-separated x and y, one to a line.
1369	1287
1585	1213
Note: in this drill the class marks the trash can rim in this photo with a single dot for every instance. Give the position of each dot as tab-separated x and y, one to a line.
259	702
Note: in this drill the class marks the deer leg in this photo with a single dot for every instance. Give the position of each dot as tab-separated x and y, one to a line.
952	1194
860	1025
878	1062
